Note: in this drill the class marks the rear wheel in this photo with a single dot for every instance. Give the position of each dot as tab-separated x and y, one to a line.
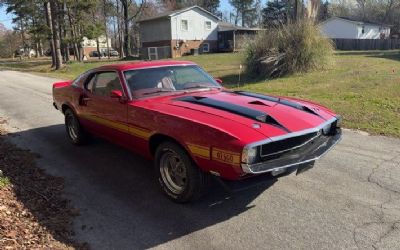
75	132
179	177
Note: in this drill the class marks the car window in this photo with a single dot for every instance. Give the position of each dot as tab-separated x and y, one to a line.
189	75
80	79
90	82
167	79
105	83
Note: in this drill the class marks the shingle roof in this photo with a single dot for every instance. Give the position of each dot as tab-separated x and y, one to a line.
361	22
175	12
223	26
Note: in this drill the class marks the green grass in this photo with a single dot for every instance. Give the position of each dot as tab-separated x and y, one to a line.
4	181
364	87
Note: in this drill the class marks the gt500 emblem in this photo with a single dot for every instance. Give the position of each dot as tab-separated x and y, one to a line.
225	156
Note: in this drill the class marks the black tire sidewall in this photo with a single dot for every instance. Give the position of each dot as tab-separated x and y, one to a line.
193	188
80	133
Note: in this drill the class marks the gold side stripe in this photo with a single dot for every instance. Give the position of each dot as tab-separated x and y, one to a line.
139	132
200	151
226	151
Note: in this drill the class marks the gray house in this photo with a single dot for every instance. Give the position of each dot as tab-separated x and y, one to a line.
176	33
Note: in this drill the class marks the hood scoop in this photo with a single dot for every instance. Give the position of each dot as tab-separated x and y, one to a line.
234	109
258	103
279	101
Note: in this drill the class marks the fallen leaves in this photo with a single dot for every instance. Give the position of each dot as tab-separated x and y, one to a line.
33	212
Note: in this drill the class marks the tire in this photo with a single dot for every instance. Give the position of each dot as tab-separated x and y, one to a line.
75	132
179	177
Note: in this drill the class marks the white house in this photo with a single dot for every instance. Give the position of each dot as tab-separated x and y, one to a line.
175	33
346	28
90	45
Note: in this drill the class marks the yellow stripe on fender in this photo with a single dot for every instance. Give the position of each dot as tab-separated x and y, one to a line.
136	131
225	156
200	151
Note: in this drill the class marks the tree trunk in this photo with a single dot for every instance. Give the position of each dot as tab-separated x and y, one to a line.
98	47
56	34
40	48
121	51
105	27
126	27
36	49
50	36
73	36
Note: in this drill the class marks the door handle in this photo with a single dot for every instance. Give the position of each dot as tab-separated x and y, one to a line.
86	99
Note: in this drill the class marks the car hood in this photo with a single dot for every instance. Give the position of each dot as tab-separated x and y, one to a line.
269	116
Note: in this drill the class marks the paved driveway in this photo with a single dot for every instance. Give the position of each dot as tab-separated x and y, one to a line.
349	200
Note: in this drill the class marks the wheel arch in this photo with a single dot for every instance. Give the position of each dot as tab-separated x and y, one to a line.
156	139
66	106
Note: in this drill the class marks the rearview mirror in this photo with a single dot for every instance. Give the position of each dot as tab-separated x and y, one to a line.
218	80
116	94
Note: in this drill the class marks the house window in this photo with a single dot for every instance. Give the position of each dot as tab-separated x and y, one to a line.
205	47
184	25
208	25
363	30
152	53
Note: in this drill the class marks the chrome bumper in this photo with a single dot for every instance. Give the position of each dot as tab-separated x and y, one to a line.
311	152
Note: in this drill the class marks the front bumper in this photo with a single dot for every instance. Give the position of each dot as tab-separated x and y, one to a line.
307	153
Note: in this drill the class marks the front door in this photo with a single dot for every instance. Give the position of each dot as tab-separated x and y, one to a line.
106	115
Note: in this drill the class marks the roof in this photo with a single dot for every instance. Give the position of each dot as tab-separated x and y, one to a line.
223	26
169	14
145	64
357	21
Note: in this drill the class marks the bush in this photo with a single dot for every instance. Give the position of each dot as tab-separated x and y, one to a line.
288	49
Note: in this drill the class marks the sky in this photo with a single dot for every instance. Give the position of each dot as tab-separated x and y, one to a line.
6	19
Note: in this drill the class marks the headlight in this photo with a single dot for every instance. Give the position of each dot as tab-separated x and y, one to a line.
249	155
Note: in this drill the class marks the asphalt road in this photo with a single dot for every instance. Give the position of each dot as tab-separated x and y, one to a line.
349	200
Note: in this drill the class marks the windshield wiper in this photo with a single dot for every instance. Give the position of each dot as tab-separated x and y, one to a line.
158	91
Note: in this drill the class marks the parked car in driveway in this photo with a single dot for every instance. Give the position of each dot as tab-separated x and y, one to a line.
176	114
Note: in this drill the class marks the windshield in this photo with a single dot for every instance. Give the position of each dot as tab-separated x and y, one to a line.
144	82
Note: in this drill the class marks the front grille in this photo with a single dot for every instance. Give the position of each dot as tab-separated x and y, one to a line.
276	148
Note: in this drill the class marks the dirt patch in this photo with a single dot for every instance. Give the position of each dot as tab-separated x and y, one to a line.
33	212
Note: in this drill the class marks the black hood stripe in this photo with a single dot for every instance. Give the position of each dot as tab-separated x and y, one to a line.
234	109
280	101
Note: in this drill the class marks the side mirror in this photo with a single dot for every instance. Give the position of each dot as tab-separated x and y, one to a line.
218	80
116	94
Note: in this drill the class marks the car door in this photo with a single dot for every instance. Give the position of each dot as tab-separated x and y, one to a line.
104	106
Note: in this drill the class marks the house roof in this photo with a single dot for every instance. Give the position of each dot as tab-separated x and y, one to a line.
223	26
357	21
169	14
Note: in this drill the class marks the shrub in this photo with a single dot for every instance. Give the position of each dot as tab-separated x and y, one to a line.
287	49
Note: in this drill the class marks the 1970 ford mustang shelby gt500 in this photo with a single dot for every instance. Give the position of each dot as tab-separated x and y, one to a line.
176	114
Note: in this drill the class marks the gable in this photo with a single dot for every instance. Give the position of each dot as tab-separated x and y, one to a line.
198	10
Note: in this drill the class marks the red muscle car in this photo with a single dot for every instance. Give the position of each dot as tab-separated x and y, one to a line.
176	114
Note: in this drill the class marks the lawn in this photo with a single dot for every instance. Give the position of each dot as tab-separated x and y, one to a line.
364	87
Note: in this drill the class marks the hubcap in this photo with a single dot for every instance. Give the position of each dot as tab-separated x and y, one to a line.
72	126
173	171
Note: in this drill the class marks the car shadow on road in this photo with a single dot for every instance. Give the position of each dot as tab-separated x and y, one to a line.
119	201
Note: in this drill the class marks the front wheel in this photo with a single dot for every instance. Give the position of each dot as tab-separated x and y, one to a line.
180	179
75	132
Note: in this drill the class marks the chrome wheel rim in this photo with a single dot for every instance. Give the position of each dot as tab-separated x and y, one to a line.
72	126
173	172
